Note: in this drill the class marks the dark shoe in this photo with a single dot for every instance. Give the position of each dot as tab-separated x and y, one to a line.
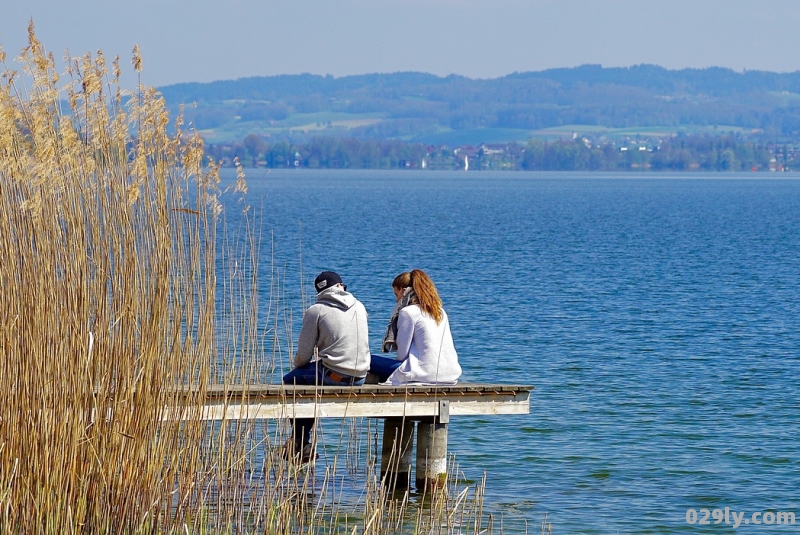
309	454
306	456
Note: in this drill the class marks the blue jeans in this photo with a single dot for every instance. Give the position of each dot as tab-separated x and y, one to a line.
383	367
313	373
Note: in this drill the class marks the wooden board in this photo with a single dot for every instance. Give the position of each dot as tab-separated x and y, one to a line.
279	401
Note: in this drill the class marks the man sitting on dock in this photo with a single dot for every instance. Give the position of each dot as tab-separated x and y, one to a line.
335	330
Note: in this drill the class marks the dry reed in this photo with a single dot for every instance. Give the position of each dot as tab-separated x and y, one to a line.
112	240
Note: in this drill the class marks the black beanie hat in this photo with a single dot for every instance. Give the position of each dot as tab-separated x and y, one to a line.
326	279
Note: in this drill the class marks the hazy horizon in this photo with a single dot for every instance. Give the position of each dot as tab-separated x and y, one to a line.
477	78
204	41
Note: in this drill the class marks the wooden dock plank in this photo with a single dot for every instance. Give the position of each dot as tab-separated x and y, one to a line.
234	402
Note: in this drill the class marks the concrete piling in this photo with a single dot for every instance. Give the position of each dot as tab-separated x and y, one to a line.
398	441
431	454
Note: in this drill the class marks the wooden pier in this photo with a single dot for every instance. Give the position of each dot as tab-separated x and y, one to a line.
400	406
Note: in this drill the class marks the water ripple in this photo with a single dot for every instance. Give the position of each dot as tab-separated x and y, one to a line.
657	317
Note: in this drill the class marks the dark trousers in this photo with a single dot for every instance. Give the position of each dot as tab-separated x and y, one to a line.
383	367
313	373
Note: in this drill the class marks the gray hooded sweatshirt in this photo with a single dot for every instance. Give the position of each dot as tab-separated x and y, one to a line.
337	326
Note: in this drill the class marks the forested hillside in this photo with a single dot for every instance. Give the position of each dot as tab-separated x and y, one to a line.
457	110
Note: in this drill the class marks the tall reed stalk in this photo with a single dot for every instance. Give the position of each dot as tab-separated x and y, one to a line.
108	293
110	303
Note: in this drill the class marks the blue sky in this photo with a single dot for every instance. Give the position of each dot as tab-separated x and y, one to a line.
203	40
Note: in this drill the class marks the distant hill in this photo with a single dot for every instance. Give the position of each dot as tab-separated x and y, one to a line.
421	107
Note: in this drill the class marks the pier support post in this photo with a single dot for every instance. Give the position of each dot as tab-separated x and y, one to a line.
398	440
431	454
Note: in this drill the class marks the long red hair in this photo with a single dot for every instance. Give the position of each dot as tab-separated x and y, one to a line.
428	297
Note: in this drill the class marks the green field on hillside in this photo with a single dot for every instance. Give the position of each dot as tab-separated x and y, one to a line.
298	123
309	124
570	130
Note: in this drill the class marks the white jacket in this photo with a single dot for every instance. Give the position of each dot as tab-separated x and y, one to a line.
426	348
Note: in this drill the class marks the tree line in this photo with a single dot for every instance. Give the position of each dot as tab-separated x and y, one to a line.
678	153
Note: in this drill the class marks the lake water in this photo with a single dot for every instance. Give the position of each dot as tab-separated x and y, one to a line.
657	316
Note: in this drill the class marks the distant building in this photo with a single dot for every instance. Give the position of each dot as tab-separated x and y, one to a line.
467	150
488	149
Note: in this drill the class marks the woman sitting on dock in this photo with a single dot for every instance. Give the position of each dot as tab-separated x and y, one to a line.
425	350
404	295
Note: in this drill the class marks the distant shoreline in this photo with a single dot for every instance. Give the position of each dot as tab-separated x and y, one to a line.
261	173
685	153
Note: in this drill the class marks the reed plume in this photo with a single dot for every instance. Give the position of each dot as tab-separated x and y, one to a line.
107	265
119	294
